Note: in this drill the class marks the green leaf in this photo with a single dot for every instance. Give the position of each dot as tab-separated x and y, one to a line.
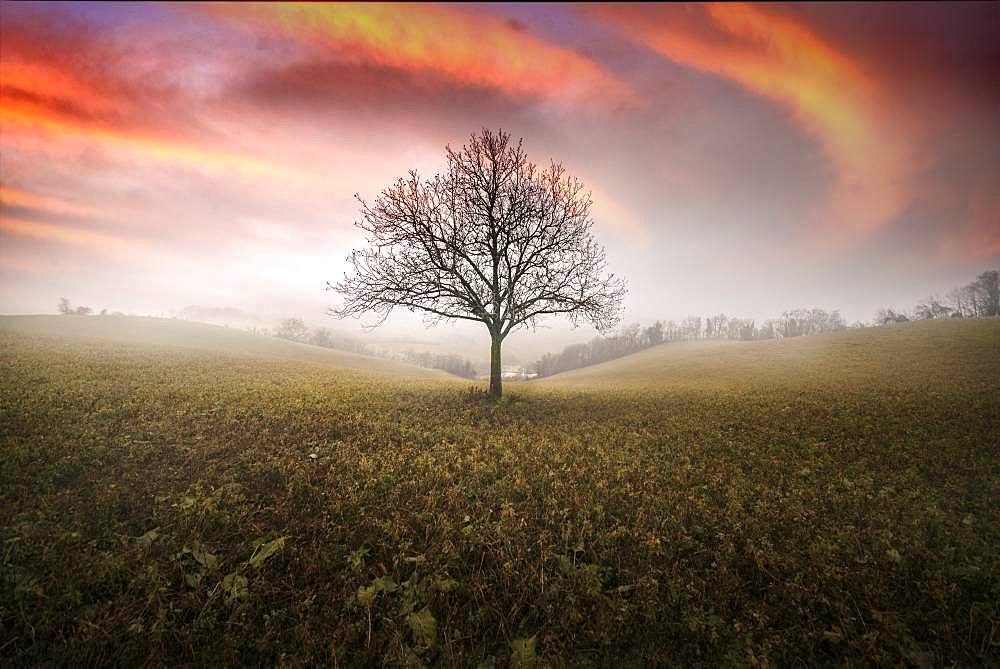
264	551
522	653
235	586
204	558
148	538
424	627
356	559
385	584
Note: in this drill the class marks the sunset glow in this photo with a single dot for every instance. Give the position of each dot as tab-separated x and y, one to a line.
469	49
719	140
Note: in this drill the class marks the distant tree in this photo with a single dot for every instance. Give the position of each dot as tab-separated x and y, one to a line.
961	302
65	308
450	363
794	323
83	311
104	312
987	288
653	335
690	328
747	329
767	330
931	308
671	331
885	316
494	240
837	321
321	337
716	326
292	328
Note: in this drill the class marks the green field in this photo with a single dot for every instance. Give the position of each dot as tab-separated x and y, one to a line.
173	493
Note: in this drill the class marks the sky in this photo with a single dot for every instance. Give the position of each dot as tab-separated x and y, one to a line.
744	159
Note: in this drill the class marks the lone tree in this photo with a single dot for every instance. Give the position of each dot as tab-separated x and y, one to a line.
494	239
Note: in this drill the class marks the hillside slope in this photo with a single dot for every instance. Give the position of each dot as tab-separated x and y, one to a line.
781	503
953	351
170	333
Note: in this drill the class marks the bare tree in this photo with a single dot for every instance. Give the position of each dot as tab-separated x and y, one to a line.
886	316
931	308
987	287
321	337
494	239
65	308
294	329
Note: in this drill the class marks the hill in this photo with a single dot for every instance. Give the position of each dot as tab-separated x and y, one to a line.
172	333
949	351
822	501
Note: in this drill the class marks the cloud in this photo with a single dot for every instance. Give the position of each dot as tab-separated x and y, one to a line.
12	197
467	48
828	95
87	91
91	239
977	234
200	150
52	220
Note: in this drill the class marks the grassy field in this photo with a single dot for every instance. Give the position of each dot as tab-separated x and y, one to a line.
165	334
825	500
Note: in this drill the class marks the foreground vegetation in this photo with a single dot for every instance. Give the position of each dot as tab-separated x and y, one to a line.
821	500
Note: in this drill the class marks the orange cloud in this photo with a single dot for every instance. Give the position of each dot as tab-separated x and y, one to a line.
21	115
52	84
49	232
13	197
58	94
35	205
468	48
829	95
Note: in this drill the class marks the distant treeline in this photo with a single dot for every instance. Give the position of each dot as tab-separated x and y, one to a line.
66	308
633	338
979	298
451	363
295	329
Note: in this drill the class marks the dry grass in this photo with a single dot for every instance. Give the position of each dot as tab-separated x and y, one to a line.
823	501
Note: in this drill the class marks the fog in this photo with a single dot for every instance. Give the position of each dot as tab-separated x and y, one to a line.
145	172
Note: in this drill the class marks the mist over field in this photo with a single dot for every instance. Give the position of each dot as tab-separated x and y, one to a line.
498	334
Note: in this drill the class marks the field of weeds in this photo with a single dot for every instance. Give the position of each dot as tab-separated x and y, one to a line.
828	504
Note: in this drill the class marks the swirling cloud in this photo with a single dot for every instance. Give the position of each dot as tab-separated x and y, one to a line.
468	48
828	94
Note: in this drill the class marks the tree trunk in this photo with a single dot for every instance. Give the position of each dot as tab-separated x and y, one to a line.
495	377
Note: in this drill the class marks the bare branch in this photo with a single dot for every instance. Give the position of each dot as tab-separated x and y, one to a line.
492	239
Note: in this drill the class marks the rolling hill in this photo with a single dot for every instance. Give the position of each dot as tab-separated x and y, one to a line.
180	494
171	333
950	351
